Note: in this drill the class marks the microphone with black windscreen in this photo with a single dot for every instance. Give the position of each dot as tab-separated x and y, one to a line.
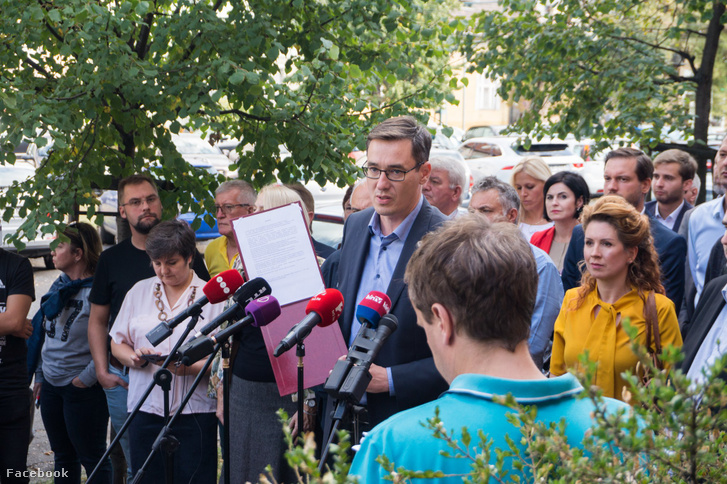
260	312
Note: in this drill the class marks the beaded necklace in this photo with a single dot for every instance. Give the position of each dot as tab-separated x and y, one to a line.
160	305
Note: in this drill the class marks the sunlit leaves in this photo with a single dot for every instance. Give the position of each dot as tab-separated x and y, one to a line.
108	81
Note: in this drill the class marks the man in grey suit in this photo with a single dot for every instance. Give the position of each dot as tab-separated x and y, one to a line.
377	245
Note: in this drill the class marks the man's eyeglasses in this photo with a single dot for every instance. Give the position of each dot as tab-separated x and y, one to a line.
228	208
136	202
393	174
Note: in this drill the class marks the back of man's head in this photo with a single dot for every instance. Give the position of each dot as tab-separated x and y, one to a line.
644	165
404	127
484	274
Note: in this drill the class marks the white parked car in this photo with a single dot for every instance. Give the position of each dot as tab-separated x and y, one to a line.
497	156
38	247
197	151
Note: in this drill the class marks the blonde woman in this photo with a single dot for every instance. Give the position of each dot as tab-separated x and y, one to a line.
622	274
528	178
257	438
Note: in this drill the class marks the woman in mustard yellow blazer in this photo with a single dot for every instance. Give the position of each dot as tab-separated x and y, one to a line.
622	269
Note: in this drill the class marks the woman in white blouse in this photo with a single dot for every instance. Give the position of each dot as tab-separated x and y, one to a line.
171	247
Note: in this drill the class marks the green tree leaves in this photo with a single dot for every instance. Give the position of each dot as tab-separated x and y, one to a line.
109	81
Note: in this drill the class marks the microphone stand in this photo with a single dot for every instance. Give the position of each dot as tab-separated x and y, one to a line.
350	378
226	409
346	402
164	433
163	378
340	413
300	353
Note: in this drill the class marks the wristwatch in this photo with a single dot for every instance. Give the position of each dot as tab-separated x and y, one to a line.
310	403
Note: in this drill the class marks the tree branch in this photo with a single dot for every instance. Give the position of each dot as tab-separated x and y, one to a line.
240	114
193	44
695	32
53	31
37	67
392	103
141	48
686	55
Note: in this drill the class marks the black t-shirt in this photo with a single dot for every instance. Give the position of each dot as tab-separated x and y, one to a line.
16	277
122	266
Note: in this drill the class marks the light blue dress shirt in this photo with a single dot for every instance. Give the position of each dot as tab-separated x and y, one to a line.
384	253
547	305
713	346
705	228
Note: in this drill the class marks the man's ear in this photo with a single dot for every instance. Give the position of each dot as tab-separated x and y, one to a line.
444	323
645	185
425	170
511	215
122	211
457	192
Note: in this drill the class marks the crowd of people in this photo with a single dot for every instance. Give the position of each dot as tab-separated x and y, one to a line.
503	299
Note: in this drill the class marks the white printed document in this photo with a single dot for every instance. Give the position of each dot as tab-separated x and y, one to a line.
275	244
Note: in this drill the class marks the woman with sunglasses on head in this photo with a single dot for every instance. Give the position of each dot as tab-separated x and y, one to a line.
72	403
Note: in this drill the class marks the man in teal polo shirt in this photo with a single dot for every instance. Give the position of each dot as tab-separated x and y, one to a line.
473	286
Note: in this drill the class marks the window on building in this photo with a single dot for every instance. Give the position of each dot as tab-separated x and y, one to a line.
486	97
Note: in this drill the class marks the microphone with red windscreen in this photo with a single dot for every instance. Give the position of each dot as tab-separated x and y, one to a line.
218	289
322	310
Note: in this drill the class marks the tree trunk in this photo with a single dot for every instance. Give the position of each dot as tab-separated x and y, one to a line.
703	98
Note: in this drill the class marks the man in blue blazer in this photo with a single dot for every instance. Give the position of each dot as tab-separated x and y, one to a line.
377	245
673	175
628	172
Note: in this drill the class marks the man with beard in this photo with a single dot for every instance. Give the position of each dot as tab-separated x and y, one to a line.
673	174
118	269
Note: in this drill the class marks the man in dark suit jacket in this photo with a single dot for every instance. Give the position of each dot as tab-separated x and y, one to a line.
696	333
650	210
673	175
628	173
377	245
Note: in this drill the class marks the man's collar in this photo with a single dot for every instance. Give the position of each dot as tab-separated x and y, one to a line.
657	211
402	231
524	391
